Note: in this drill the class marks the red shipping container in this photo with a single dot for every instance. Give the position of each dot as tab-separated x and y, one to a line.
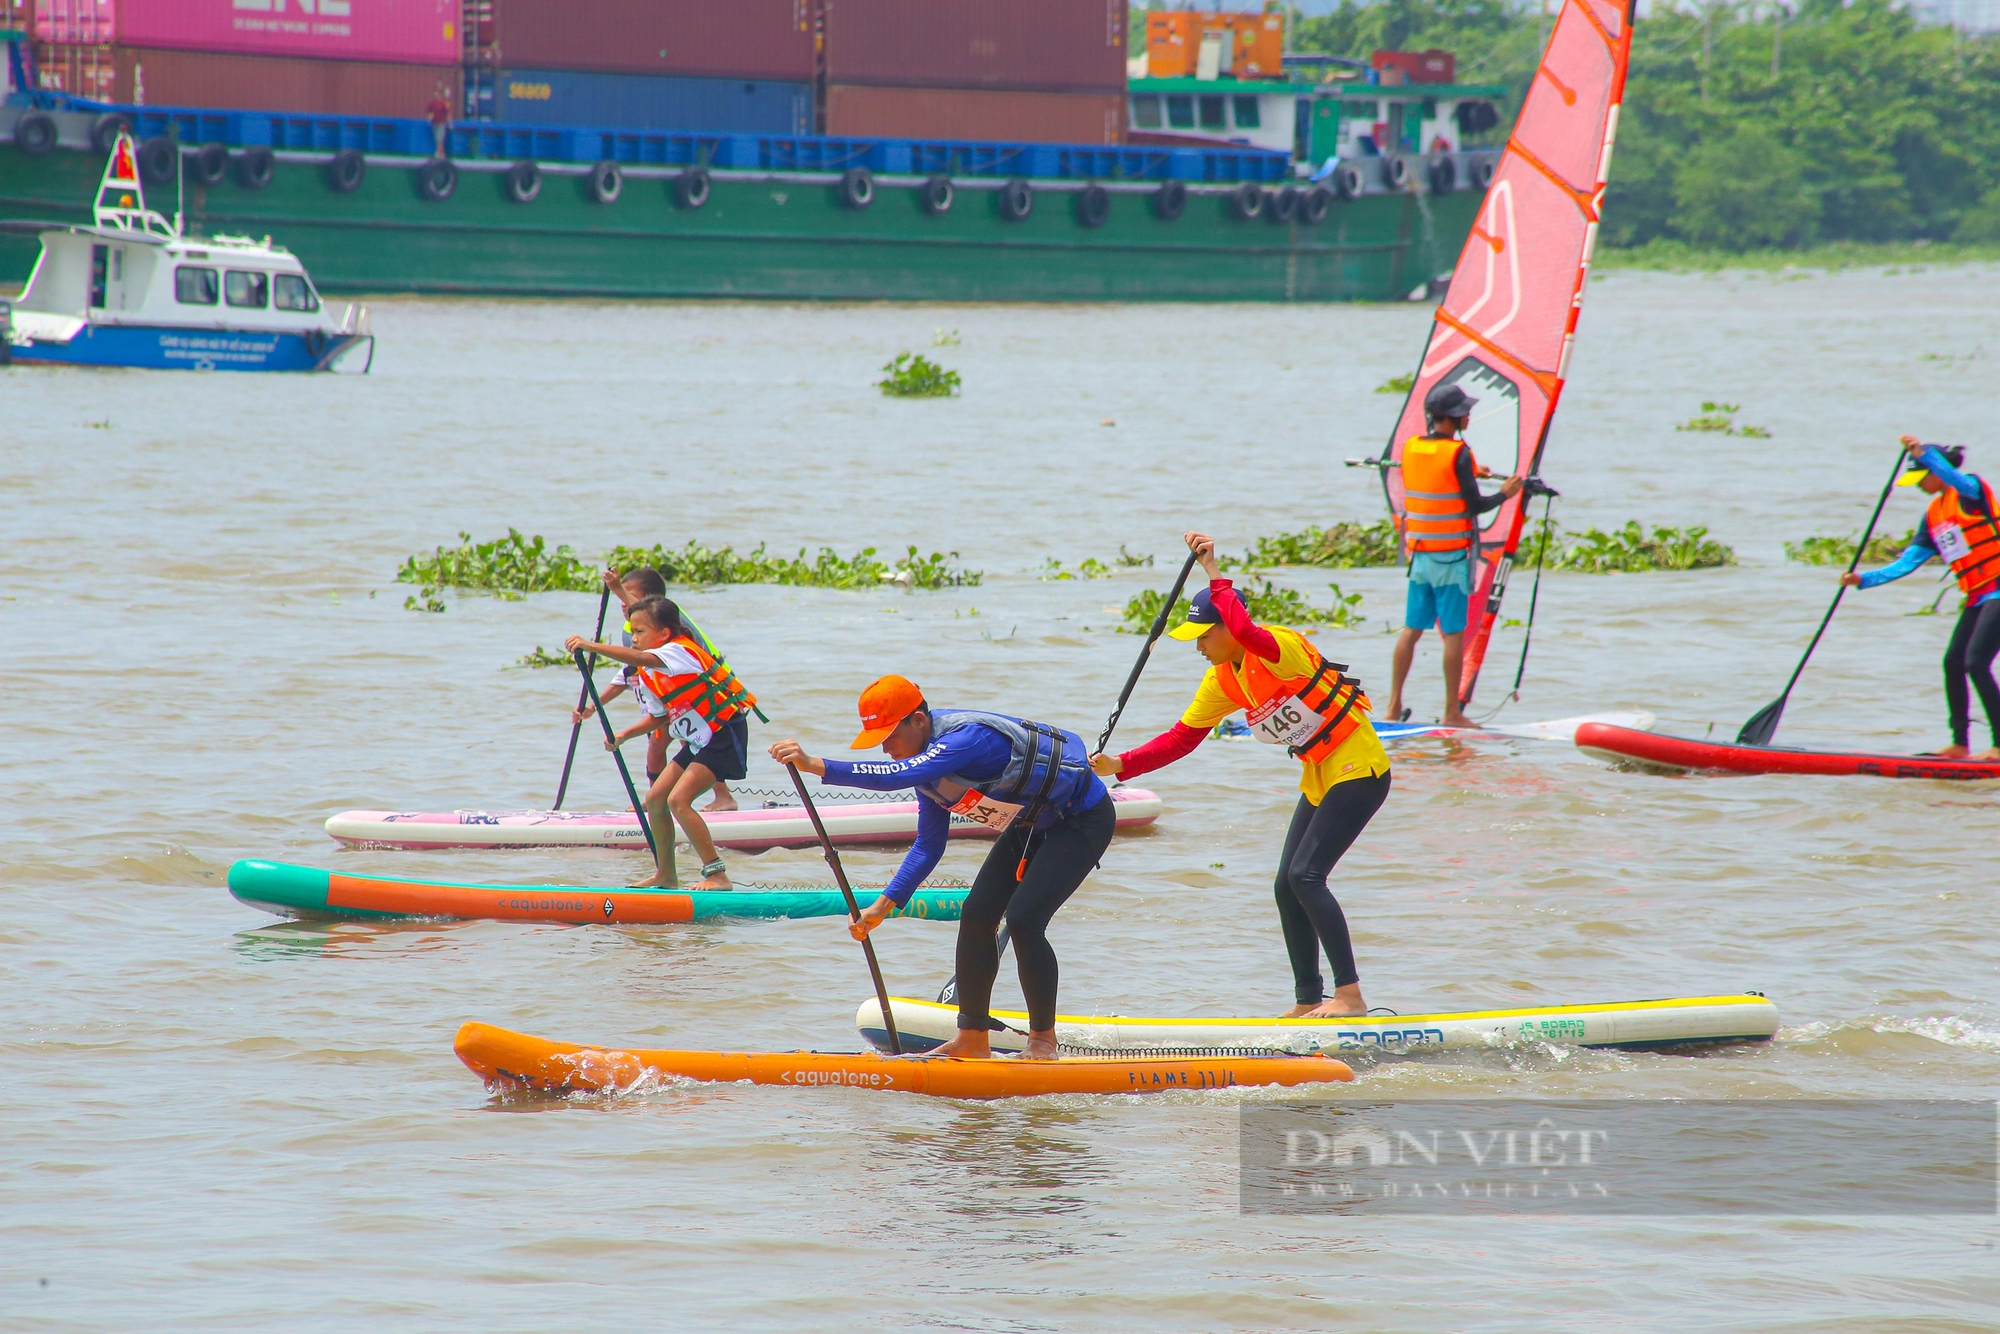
732	39
1432	66
974	113
421	32
1042	45
76	22
163	78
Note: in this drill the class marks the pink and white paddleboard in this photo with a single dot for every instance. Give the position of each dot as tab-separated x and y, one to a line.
847	823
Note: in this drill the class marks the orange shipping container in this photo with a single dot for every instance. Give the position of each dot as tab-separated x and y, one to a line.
1253	45
862	112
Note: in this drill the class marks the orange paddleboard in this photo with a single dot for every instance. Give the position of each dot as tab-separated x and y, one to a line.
515	1060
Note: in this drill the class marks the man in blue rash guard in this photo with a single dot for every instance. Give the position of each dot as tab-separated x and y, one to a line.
1027	780
1961	528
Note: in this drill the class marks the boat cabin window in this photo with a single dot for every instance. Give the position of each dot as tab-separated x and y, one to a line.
1247	116
1180	112
100	262
1146	112
291	291
243	287
195	286
1211	113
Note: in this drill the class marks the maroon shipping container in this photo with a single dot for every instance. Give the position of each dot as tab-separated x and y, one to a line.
1040	45
974	113
163	78
732	39
1432	66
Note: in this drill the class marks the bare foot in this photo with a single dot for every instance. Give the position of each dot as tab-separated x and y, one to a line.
1952	752
1454	718
720	880
1041	1047
652	882
723	802
1296	1012
971	1044
1337	1008
1394	713
1993	754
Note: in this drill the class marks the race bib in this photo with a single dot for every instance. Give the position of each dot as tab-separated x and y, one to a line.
1951	542
691	728
981	809
1285	722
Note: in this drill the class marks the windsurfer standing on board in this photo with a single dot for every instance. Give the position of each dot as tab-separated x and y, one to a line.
1440	527
1962	527
1295	698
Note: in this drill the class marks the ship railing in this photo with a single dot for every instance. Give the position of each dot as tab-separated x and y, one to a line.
355	321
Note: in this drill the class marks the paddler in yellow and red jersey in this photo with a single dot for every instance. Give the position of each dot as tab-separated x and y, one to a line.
1962	528
1292	697
1442	502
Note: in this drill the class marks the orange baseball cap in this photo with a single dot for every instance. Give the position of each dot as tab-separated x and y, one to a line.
884	704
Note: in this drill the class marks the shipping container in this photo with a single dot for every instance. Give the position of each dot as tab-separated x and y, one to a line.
164	78
974	113
419	32
1039	45
1248	46
1432	66
80	71
653	102
740	39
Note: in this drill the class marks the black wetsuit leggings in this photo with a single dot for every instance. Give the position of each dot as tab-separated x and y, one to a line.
1974	642
1307	910
1064	854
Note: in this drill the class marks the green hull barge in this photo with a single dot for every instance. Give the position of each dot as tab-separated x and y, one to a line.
307	891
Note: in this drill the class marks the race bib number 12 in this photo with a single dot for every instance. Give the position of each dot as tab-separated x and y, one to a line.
691	728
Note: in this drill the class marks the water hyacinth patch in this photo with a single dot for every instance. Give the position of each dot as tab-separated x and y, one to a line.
1268	604
913	375
1840	550
1627	550
1340	546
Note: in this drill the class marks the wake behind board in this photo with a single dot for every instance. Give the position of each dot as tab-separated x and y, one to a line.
1682	755
849	824
1685	1022
306	891
516	1061
1555	729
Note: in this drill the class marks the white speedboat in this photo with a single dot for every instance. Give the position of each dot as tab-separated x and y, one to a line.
133	291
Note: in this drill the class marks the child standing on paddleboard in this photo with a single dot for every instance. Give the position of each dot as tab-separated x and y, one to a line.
1293	697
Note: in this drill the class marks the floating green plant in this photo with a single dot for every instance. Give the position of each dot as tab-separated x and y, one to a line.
1341	546
1397	384
1268	604
1627	550
513	563
1091	568
1721	419
913	375
1839	550
541	657
1130	561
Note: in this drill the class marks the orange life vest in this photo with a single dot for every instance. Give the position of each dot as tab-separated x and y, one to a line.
1968	541
713	695
1436	518
1282	710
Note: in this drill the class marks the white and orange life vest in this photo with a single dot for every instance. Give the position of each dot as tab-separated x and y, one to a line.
1435	517
1968	541
1309	715
697	702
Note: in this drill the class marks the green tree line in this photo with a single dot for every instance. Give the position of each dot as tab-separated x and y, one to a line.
1753	128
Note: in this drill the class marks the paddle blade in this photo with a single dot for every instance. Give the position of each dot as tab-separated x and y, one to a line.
1763	724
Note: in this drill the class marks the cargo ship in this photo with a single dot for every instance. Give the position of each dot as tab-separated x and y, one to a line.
1339	191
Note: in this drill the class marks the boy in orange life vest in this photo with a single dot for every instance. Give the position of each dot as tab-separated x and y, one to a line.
707	709
1297	699
1440	528
1962	527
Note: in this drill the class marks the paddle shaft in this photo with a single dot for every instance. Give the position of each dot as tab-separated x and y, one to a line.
611	739
853	909
1764	723
582	696
1152	638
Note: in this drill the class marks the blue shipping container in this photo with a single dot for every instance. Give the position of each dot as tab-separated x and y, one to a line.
652	102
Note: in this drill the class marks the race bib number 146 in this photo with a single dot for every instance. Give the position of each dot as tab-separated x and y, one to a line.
1285	722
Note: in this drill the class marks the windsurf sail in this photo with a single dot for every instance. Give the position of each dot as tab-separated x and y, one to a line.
1505	326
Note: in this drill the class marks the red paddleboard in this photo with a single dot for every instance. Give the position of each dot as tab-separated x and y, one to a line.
1686	755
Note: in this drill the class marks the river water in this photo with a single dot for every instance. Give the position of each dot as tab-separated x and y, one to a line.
218	1121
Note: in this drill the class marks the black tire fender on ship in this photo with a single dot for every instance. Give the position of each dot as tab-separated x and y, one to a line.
1284	206
211	164
1246	201
105	131
1093	205
1481	172
524	182
1443	174
1170	201
938	195
857	188
1349	181
158	157
1017	200
345	172
316	343
691	187
35	133
436	179
1314	207
607	182
255	166
1401	169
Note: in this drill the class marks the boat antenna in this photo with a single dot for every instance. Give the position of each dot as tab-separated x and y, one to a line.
180	183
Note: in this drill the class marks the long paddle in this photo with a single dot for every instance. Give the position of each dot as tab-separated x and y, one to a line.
638	807
853	909
1763	724
1152	638
562	788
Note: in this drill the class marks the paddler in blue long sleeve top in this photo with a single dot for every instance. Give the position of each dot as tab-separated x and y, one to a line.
1027	780
1962	528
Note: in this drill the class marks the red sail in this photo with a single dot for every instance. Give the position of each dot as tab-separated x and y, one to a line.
1504	328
